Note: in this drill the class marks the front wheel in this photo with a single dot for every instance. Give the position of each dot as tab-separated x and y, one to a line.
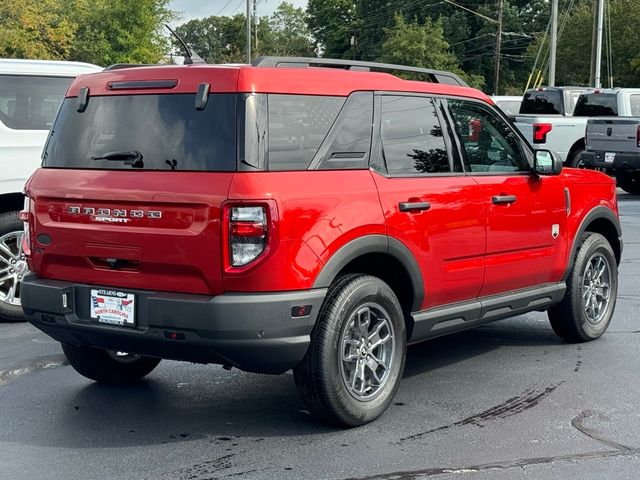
13	266
356	357
107	366
592	287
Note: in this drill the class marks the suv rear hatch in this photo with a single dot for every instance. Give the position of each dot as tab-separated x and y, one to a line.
133	184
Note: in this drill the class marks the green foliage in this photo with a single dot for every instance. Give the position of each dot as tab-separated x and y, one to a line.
95	31
120	31
223	39
332	24
35	29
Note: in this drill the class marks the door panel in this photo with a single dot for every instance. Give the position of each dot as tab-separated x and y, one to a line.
438	214
526	214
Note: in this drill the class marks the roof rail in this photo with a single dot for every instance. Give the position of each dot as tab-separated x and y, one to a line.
118	66
435	76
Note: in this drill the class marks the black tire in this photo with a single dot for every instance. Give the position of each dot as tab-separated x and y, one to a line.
629	182
10	222
107	367
570	319
321	376
576	159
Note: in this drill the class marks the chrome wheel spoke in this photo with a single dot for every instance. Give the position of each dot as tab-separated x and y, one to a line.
596	291
366	351
12	267
11	294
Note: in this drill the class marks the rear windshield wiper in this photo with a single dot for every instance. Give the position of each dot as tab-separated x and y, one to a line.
129	157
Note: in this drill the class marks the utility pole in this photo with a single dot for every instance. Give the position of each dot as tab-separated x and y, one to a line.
597	77
255	23
554	43
248	18
498	45
594	35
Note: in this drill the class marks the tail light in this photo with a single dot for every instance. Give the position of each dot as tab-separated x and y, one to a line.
24	216
638	136
540	131
247	234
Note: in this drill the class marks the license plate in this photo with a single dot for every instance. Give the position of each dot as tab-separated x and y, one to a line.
609	157
113	307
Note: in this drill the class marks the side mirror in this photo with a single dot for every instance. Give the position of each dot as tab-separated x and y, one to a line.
547	163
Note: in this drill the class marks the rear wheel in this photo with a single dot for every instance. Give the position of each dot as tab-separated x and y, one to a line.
592	287
629	182
13	266
107	366
356	358
576	159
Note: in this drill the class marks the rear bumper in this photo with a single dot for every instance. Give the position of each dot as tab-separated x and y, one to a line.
622	162
253	332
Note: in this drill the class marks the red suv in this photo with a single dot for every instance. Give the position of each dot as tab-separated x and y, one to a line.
307	218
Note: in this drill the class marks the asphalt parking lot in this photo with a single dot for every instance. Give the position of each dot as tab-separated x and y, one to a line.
505	401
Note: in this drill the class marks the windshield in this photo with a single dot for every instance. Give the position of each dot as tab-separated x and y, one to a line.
597	105
165	130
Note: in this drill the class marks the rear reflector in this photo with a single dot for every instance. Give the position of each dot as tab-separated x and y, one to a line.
540	131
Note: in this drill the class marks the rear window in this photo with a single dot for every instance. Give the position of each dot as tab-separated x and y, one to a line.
597	105
545	102
30	102
166	130
634	104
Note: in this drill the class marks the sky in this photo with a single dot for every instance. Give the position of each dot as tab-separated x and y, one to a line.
191	9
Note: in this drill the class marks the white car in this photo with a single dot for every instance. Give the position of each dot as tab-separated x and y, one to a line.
30	93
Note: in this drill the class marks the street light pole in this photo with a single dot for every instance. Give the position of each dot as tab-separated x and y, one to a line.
598	81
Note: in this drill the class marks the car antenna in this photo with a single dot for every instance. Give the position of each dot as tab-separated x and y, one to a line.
190	55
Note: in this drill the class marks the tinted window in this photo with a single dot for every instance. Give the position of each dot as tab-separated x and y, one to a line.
166	129
412	139
349	141
596	105
298	125
488	143
634	104
545	102
30	103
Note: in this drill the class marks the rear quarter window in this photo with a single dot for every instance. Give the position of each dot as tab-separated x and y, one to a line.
30	102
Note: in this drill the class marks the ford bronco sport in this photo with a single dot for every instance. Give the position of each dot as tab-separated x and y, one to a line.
308	218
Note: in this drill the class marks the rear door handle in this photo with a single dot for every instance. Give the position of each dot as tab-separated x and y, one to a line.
503	199
414	206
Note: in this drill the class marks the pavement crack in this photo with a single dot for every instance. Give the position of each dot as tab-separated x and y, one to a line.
510	407
578	424
509	464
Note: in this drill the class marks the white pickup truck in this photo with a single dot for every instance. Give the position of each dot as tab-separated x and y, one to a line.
613	144
550	119
30	94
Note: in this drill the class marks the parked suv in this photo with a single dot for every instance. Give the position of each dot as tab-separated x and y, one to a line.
314	219
30	93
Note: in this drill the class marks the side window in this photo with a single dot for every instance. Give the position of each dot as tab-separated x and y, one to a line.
347	145
298	124
488	143
634	100
412	137
30	103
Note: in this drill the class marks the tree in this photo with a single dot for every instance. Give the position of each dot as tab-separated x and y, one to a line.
289	31
332	24
37	30
120	31
216	39
421	45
